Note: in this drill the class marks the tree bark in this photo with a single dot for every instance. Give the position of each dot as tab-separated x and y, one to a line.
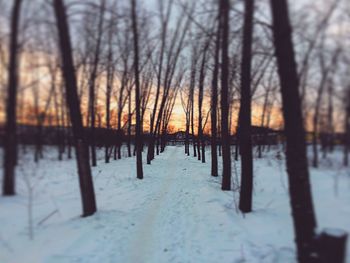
129	123
298	173
246	190
82	151
225	133
164	27
92	82
10	138
201	145
121	107
214	104
138	140
192	85
109	86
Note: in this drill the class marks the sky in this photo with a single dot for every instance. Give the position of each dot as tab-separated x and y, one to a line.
178	114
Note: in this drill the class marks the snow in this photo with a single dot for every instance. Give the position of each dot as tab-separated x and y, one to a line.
334	232
176	214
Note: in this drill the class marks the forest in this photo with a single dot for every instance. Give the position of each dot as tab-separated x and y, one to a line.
175	131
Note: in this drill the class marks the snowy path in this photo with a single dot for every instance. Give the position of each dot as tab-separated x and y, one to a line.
177	214
170	228
171	225
167	227
165	217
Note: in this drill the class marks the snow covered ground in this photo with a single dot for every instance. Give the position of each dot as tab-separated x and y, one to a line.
176	214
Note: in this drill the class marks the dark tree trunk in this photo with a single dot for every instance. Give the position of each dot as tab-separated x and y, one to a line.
59	136
325	72
219	132
315	123
120	111
38	153
262	137
192	83
330	125
187	134
129	124
164	25
138	135
110	77
245	200
157	141
225	133
69	146
10	138
92	82
214	104
201	146
198	145
297	166
82	151
108	124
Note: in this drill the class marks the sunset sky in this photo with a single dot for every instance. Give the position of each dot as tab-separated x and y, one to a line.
35	79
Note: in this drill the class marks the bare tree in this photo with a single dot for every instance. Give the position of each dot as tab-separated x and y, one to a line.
325	71
245	201
138	141
297	167
125	50
201	81
177	42
10	141
81	146
164	20
92	82
214	102
225	132
186	106
270	93
311	45
109	82
194	61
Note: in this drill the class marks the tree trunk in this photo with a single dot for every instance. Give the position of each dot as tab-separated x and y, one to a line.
246	190
225	133
262	137
138	140
129	124
120	110
330	125
82	152
10	138
92	82
192	85
201	146
214	104
298	173
110	77
198	144
187	134
164	27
